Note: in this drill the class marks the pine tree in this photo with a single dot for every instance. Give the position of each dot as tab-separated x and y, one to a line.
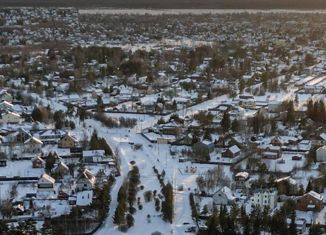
174	105
235	125
167	204
293	226
37	114
119	217
310	108
94	142
130	220
315	229
290	116
309	187
225	123
212	224
100	104
207	135
50	161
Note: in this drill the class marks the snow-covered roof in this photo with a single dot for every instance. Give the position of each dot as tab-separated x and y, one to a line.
92	153
33	139
323	136
316	195
47	178
228	193
234	149
242	174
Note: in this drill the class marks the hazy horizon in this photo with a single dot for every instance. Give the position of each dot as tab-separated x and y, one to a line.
172	4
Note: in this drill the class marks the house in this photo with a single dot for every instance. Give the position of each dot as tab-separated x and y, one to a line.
321	154
264	197
231	152
223	196
276	141
300	223
45	183
91	156
185	140
61	169
85	181
5	105
51	136
7	117
33	145
270	151
5	96
286	185
21	136
68	141
38	162
247	101
310	201
170	128
241	180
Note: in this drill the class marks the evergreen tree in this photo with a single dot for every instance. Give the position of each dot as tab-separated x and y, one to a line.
37	114
212	224
3	228
49	162
119	215
235	125
293	226
130	220
315	229
99	104
290	115
174	105
309	187
167	204
207	135
225	123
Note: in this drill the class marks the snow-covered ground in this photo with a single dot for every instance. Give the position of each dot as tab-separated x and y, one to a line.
149	155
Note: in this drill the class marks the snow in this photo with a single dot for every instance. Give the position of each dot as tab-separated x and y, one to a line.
22	168
84	198
288	165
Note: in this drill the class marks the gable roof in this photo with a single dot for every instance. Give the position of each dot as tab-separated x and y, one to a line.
86	174
47	178
33	139
315	195
227	192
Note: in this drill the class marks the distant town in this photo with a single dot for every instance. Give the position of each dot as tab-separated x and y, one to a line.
172	123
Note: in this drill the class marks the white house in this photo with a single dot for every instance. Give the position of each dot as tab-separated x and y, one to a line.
85	181
33	145
9	117
5	96
321	154
264	197
51	136
91	156
45	183
5	105
223	196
